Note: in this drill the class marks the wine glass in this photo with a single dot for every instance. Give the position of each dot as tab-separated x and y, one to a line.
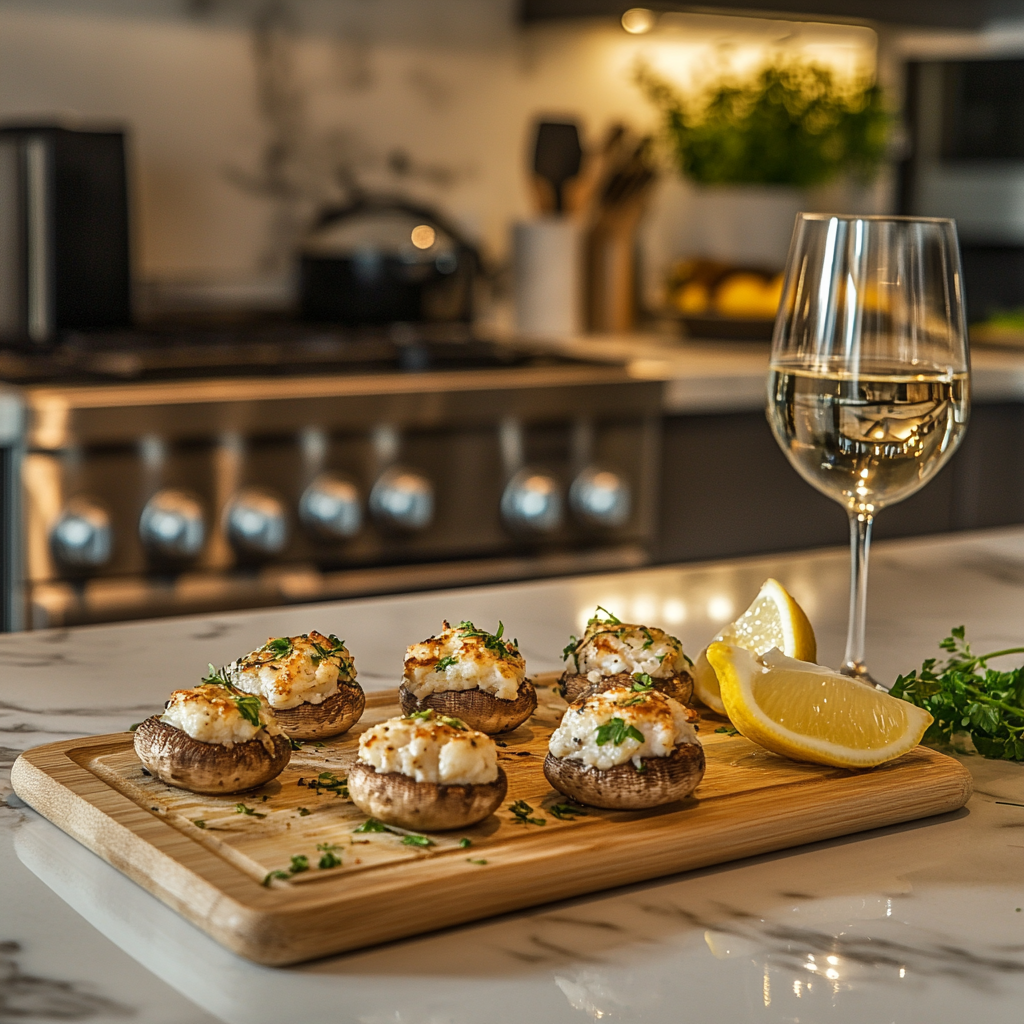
869	379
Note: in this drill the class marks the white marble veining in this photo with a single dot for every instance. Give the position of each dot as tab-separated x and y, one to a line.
906	925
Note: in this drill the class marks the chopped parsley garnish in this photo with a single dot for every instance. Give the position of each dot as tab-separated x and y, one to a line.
475	860
492	641
299	863
417	841
248	811
650	639
567	811
199	823
640	767
446	662
330	782
964	695
372	825
303	812
642	682
280	648
728	730
608	620
329	859
616	731
216	677
521	811
570	649
428	714
248	707
463	843
295	744
640	698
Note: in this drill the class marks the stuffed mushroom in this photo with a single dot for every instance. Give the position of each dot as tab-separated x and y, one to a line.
308	680
213	739
625	750
616	653
426	771
469	674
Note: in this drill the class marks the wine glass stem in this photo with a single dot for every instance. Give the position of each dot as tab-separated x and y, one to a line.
860	545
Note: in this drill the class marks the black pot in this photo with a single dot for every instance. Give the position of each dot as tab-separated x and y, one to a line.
384	262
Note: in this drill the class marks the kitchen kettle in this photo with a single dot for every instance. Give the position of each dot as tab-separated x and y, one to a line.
385	261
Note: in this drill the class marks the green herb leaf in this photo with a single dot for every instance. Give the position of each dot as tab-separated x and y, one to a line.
463	843
521	811
300	862
640	767
446	662
295	744
372	825
609	619
642	682
249	811
475	860
570	648
248	707
650	639
270	875
616	731
329	860
567	811
963	695
728	730
492	641
199	823
216	676
303	812
417	841
280	648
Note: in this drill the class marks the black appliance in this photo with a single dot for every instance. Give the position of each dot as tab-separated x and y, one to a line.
380	262
64	245
965	128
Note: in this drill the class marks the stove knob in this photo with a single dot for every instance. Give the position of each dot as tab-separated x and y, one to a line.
402	499
256	523
532	503
82	538
330	507
172	525
600	497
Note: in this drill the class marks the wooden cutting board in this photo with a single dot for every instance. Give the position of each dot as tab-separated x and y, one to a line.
209	857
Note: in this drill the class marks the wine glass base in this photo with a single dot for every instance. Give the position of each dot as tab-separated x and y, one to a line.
859	671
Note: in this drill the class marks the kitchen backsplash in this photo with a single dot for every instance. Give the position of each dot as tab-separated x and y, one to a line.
245	116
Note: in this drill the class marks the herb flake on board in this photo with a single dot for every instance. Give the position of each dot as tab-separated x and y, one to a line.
521	811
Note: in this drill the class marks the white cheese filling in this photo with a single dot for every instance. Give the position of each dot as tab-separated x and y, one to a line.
429	751
606	649
461	658
210	714
598	730
288	671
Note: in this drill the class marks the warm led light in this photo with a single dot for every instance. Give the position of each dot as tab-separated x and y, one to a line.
673	612
638	20
832	974
833	960
720	609
423	236
644	609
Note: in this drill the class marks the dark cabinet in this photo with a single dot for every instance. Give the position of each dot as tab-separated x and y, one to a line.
727	489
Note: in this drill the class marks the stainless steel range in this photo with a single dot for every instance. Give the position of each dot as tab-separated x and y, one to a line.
185	472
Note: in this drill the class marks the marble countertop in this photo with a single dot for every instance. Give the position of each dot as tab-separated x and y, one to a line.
723	376
905	925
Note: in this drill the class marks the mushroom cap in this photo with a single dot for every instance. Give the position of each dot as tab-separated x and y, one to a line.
574	686
179	760
478	709
331	717
397	799
623	788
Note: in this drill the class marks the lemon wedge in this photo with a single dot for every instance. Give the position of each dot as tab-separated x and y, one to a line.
810	713
773	619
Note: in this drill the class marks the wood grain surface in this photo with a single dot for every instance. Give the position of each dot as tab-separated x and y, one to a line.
208	857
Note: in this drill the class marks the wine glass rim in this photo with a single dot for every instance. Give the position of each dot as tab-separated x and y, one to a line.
897	217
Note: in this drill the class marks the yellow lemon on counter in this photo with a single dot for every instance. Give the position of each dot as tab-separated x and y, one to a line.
773	619
810	713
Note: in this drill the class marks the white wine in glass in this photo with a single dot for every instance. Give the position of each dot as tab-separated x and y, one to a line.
869	386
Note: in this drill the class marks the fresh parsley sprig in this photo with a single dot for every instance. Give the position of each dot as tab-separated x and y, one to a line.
616	731
964	695
492	641
521	812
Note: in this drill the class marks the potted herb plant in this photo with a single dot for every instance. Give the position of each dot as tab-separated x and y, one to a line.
756	147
